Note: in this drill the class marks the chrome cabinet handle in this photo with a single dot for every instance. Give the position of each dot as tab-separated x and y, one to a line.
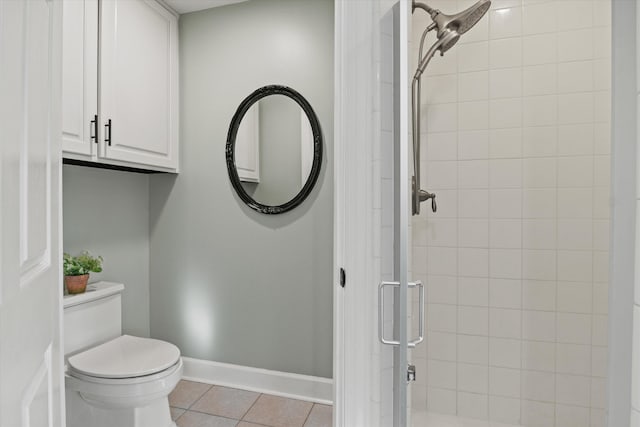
381	337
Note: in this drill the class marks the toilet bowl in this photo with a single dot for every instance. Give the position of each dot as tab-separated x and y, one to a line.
124	381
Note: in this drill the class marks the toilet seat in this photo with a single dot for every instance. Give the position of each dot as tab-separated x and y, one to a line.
125	357
125	393
123	382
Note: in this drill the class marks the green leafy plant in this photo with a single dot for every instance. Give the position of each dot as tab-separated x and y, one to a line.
81	264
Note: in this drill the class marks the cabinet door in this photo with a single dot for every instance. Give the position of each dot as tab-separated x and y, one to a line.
79	77
139	83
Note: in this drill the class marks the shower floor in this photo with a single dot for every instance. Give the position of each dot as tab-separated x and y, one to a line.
429	419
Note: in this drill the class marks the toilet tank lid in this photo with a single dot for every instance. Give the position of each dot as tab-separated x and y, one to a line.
126	357
94	292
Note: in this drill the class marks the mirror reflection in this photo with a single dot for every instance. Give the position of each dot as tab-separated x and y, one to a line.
274	150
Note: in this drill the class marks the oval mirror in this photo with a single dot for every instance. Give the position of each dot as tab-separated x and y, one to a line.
274	149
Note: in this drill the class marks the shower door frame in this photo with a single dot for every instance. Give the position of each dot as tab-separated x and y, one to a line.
401	13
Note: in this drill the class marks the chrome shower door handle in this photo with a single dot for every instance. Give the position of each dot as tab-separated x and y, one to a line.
411	343
418	284
381	312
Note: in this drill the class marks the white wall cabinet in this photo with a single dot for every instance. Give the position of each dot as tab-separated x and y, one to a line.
135	86
80	77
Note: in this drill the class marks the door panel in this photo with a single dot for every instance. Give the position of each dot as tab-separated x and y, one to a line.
38	396
34	176
30	161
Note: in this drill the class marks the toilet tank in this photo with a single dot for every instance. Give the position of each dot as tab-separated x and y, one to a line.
92	317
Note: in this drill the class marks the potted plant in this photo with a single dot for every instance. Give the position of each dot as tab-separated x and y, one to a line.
77	269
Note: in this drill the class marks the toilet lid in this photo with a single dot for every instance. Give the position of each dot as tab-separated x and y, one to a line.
126	357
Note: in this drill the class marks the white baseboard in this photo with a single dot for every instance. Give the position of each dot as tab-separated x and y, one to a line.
294	386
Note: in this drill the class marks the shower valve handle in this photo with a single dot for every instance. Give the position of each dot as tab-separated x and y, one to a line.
425	195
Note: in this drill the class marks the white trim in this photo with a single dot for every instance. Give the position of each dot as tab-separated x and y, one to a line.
338	221
169	8
356	371
295	386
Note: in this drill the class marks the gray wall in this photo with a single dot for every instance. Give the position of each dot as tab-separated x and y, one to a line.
107	213
230	284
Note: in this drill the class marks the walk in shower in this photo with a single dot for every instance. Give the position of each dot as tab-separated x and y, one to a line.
514	138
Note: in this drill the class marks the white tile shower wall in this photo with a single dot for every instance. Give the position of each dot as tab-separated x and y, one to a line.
515	134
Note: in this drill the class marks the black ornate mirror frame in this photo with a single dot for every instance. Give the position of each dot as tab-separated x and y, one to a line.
231	144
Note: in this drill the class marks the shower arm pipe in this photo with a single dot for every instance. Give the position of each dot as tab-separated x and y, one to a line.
416	5
415	101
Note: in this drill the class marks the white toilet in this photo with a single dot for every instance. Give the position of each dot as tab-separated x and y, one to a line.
114	380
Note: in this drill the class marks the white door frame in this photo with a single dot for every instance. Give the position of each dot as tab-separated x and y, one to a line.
356	358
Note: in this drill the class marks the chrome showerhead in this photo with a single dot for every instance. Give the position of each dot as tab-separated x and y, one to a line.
450	28
448	38
460	22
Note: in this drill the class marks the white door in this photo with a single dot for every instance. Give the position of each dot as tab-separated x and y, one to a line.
138	82
80	77
30	278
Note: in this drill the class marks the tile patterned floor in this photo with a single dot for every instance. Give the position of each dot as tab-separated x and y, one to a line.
196	404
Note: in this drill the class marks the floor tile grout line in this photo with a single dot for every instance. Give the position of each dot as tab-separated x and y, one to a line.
207	413
201	396
308	414
258	424
216	415
184	411
251	407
